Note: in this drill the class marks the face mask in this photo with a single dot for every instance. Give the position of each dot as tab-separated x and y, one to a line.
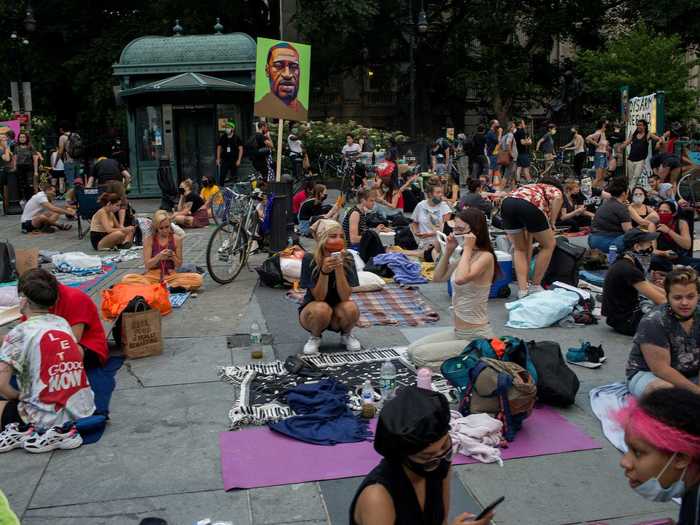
460	239
206	183
436	200
638	199
181	191
646	251
553	132
665	217
653	491
439	473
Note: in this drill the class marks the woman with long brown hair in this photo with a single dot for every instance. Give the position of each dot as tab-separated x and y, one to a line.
105	231
472	276
328	276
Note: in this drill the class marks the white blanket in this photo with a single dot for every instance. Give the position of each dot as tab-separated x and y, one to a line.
477	435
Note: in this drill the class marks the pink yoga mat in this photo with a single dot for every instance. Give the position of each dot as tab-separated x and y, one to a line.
259	457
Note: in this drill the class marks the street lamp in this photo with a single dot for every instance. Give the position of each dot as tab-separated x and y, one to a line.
422	23
29	20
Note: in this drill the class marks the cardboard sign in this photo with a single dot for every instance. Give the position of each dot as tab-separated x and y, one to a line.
26	259
282	75
141	334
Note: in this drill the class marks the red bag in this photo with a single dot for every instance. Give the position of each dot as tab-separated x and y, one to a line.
115	299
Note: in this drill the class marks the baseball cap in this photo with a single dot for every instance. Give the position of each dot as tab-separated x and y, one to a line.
636	235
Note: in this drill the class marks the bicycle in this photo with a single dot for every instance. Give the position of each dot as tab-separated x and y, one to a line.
560	170
688	188
232	241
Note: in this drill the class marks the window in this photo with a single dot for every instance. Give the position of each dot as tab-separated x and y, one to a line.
149	133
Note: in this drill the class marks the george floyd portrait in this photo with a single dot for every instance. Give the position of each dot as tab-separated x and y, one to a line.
282	79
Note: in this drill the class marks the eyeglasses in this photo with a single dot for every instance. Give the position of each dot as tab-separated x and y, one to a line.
434	463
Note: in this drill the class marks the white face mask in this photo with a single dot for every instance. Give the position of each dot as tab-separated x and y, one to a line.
652	490
460	239
638	199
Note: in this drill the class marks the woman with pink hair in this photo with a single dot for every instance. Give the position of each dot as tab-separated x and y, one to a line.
662	433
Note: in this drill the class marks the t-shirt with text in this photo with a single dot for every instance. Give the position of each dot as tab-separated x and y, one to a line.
52	382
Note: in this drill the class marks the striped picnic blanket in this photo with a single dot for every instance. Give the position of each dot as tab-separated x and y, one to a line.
391	306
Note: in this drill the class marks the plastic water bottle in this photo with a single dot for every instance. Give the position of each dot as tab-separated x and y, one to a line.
612	255
425	378
367	393
255	341
387	381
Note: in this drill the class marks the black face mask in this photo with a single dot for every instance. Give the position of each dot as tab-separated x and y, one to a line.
206	183
438	474
648	251
181	191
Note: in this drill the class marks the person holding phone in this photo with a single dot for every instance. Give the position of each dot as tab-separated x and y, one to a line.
675	243
411	484
328	275
162	256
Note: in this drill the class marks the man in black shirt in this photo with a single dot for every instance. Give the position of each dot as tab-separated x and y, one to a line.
229	152
479	160
523	143
626	279
103	171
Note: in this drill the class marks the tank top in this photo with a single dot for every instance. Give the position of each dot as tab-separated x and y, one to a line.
639	149
470	300
361	227
166	266
408	512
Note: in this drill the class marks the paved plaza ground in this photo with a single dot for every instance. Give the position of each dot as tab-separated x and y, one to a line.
160	454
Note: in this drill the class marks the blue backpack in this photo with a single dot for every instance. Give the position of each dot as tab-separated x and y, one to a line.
457	369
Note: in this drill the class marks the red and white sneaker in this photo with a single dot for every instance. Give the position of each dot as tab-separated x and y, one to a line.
52	439
14	436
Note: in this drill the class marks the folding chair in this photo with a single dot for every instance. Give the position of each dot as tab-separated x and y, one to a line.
88	204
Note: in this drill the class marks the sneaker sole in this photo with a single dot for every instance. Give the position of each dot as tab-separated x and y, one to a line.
63	445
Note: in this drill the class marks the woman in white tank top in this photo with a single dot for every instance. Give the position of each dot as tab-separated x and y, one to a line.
471	276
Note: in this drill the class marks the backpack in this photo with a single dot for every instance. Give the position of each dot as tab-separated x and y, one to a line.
270	273
564	264
405	239
74	146
137	304
511	349
504	390
8	268
557	385
411	197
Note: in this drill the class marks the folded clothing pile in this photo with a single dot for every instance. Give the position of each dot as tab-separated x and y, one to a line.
77	263
477	435
405	270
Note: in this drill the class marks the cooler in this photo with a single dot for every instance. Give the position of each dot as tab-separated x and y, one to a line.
500	288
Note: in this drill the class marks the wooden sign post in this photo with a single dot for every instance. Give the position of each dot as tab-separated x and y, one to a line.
278	169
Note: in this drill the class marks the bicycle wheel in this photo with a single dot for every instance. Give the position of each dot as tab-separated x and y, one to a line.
689	186
227	252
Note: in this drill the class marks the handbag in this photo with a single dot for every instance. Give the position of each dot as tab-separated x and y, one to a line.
503	158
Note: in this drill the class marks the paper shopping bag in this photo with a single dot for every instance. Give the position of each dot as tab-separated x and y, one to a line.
141	334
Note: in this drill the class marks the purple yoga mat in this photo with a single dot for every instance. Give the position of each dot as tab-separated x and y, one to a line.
259	457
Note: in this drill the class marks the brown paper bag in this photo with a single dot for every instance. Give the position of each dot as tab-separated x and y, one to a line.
26	259
141	334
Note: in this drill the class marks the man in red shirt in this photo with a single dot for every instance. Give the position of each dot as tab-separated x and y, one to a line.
304	193
76	307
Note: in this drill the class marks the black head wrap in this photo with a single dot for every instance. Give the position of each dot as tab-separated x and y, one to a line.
412	421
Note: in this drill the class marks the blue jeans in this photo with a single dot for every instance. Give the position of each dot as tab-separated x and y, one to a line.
72	170
603	241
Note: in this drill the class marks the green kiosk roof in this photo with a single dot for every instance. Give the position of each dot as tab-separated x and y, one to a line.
176	54
187	82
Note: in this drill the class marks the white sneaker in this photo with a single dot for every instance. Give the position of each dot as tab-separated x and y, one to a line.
351	343
312	345
14	437
535	288
522	293
52	439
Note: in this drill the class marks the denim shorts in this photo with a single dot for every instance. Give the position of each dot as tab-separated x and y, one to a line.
601	160
493	162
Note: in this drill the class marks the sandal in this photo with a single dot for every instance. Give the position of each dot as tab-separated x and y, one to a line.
64	227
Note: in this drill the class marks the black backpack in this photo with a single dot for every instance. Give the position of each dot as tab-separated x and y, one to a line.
8	268
137	304
557	384
565	262
270	273
74	146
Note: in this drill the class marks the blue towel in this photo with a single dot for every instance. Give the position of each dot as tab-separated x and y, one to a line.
405	270
323	415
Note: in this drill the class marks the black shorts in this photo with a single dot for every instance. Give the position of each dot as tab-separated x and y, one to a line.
58	174
96	237
27	227
519	214
10	414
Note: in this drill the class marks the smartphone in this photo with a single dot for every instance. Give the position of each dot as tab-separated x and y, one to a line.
336	254
489	508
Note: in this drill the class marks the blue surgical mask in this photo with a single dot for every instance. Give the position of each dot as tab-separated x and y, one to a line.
652	490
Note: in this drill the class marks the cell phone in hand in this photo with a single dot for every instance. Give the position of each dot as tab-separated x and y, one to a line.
489	508
337	255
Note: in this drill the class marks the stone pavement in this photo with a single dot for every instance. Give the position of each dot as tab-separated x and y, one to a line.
160	457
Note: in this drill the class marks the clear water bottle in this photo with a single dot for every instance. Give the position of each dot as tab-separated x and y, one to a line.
387	380
612	255
255	341
424	379
367	393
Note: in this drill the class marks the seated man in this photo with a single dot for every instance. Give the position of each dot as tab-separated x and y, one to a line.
612	219
48	363
430	217
626	279
666	348
41	214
